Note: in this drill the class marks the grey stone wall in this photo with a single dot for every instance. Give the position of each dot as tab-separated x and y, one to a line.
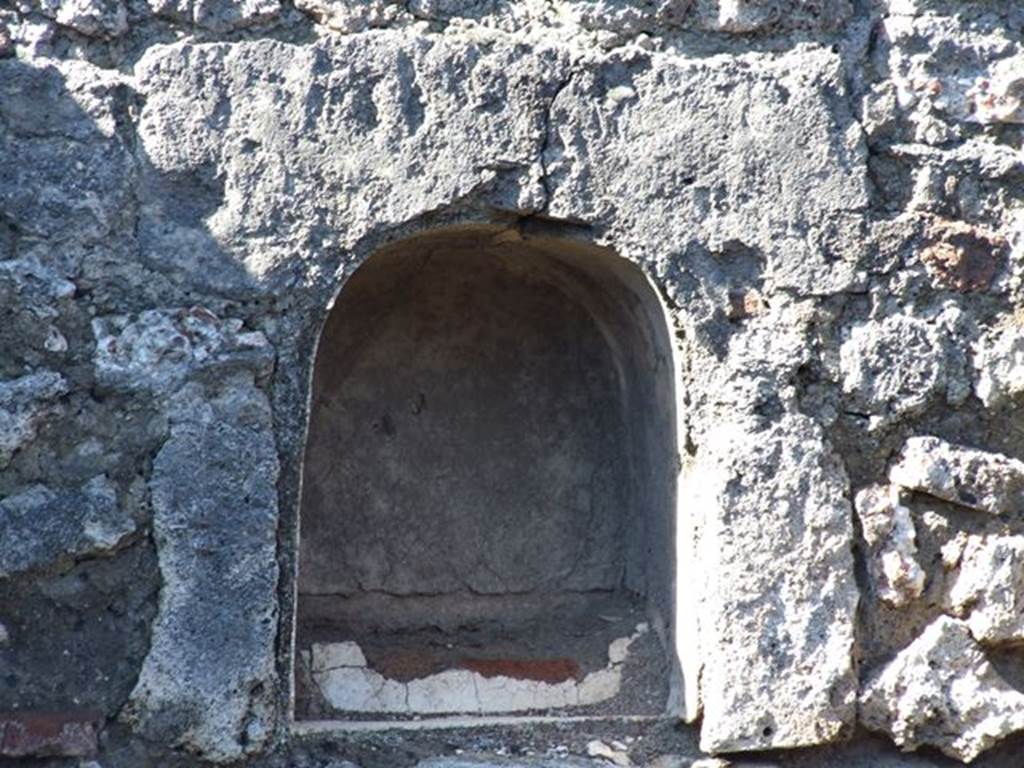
827	194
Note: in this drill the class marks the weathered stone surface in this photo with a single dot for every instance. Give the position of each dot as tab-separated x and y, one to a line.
780	599
159	349
25	403
756	203
207	683
999	362
217	15
941	691
89	17
900	364
889	533
987	590
613	20
730	165
39	526
348	16
945	70
65	172
371	111
745	16
988	482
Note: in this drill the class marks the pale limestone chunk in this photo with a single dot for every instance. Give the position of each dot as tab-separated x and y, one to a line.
988	589
999	363
25	403
892	547
988	482
941	691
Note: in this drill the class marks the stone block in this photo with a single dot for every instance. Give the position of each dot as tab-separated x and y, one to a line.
779	598
987	590
941	691
982	480
40	526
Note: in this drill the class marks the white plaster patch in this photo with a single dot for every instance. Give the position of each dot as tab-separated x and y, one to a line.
331	655
348	685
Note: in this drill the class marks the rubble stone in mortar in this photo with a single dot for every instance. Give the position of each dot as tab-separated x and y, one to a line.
988	588
217	15
159	349
941	691
95	18
39	525
889	532
898	365
614	18
780	600
24	403
945	70
206	684
988	482
999	362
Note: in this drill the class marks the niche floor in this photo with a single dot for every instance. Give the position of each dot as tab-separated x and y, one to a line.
591	654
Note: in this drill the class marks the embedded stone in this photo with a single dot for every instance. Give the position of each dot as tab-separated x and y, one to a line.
981	480
987	590
889	532
40	526
159	349
207	683
25	403
104	18
945	71
998	95
347	16
999	363
217	15
941	691
900	364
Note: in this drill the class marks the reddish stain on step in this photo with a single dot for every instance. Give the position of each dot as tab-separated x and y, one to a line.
49	734
408	665
543	670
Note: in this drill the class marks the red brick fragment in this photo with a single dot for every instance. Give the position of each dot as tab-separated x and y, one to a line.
544	670
49	734
962	256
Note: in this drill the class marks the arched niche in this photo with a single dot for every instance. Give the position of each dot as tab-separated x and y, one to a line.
487	520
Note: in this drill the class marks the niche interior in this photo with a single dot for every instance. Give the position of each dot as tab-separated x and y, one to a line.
487	521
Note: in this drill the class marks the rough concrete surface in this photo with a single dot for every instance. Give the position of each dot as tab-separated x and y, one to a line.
816	207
